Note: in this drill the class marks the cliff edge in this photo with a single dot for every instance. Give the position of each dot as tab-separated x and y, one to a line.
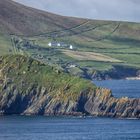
28	87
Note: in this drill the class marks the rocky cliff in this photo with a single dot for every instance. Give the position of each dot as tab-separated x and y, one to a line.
29	87
117	72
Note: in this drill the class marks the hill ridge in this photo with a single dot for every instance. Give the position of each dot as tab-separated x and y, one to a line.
34	29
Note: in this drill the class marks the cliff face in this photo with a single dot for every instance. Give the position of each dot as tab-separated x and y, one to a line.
104	104
117	72
30	88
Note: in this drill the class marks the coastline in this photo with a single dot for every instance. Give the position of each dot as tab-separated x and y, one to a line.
132	78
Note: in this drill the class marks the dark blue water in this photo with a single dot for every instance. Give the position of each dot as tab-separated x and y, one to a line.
70	128
121	88
50	128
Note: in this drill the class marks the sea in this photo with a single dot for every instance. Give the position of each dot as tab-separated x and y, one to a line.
76	128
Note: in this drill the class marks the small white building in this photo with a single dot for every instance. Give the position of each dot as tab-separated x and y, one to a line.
53	44
49	44
72	66
60	44
71	47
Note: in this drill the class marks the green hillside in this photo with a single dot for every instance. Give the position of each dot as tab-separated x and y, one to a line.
109	43
24	72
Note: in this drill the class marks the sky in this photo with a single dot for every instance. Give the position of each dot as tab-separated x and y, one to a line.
124	10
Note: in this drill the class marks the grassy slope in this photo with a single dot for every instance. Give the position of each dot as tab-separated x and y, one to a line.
119	40
18	19
5	45
26	72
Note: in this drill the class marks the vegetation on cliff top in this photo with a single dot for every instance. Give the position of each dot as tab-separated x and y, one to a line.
29	87
25	72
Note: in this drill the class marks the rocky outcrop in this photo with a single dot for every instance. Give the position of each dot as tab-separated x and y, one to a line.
117	72
38	101
58	94
104	104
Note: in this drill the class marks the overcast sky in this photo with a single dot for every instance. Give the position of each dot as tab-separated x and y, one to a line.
126	10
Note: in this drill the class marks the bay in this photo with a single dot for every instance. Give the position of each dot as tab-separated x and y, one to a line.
67	128
122	88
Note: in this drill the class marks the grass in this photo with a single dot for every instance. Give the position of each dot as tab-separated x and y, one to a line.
95	65
79	55
25	70
5	45
100	44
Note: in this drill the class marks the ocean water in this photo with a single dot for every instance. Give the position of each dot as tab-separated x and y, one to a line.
75	128
67	128
121	88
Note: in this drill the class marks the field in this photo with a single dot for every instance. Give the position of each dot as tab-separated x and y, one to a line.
98	45
112	43
5	45
79	55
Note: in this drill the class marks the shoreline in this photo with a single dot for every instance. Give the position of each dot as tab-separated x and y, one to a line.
128	78
132	78
70	116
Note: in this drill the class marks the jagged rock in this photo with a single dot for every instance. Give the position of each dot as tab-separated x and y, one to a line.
56	94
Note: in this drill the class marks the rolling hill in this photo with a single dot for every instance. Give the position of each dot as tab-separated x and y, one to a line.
22	20
33	29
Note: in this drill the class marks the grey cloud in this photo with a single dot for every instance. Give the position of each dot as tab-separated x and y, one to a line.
126	10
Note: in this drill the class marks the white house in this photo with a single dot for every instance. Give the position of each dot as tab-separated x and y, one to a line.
52	44
71	47
49	44
60	44
72	66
